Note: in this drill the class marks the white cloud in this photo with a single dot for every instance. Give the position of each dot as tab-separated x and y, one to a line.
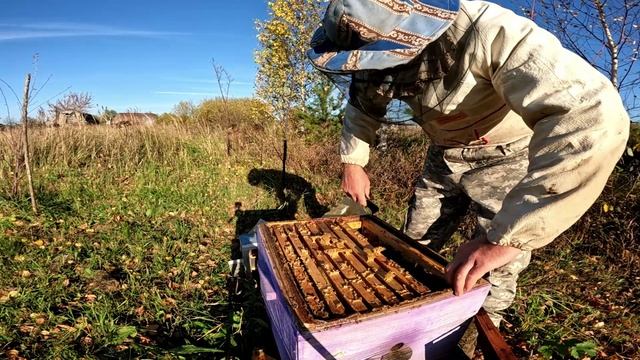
59	30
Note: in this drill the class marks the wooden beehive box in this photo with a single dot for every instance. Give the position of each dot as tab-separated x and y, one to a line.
355	288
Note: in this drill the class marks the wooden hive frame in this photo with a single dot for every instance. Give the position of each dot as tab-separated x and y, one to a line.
334	271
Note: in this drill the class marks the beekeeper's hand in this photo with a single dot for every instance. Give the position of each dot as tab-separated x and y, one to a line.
473	260
355	183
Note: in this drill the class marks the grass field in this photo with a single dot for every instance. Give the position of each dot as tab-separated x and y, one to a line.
128	257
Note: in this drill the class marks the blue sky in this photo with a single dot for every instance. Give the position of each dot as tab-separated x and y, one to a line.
136	54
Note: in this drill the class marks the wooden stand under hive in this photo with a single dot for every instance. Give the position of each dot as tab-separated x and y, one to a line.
355	288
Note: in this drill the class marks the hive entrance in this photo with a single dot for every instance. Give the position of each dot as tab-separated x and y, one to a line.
339	271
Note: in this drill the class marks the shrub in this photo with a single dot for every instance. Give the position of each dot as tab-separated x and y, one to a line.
234	113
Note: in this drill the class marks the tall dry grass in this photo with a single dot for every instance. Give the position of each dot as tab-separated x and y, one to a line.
192	149
121	150
256	144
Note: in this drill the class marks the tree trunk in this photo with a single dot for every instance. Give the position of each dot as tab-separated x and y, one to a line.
611	44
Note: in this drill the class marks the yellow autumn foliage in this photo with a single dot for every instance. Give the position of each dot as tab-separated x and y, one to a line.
284	74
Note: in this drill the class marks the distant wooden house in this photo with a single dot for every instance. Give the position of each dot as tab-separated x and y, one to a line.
132	119
72	117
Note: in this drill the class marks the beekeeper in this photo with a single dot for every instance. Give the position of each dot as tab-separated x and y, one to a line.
522	130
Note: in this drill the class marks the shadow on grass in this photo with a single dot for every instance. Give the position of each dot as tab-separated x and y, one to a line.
244	296
288	190
49	203
246	326
255	331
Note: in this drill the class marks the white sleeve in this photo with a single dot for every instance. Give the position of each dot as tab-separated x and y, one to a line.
364	114
358	132
580	128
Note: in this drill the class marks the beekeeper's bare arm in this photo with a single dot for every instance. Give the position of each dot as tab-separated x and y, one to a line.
580	128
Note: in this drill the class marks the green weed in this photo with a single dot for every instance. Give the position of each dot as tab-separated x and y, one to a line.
128	257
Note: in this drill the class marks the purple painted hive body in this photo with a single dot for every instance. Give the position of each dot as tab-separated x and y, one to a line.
425	325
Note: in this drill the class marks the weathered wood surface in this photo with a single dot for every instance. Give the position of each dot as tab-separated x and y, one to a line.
407	250
375	257
296	257
401	316
339	272
493	345
430	331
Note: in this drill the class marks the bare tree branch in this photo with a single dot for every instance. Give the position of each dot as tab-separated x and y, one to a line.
604	33
12	91
613	49
80	102
6	104
37	90
223	79
53	97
